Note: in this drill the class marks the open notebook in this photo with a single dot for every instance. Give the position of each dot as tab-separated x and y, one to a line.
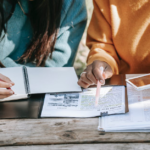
40	80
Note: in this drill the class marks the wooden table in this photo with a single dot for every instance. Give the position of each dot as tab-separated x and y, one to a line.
66	134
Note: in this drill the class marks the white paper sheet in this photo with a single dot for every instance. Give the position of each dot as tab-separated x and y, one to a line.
112	100
50	80
16	75
136	119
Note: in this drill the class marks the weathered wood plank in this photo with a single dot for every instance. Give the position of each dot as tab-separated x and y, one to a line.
60	131
82	147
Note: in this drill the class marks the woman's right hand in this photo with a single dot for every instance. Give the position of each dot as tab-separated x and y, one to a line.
92	74
5	87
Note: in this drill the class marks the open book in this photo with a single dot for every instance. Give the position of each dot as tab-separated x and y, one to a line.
111	101
136	120
40	80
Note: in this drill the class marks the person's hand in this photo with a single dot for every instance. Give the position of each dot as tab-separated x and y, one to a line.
5	87
92	74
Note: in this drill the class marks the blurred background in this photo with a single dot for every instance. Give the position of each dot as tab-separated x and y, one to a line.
80	61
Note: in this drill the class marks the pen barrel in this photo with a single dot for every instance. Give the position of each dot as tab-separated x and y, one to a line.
98	88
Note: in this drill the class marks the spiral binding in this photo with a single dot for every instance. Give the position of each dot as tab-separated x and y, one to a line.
26	80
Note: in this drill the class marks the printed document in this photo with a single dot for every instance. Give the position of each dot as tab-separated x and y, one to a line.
111	101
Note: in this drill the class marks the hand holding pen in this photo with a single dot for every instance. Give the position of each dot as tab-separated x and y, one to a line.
92	74
5	87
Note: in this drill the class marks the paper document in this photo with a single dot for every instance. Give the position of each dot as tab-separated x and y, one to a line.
111	101
138	117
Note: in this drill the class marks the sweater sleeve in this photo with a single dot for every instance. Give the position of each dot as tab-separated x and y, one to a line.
8	62
99	38
72	26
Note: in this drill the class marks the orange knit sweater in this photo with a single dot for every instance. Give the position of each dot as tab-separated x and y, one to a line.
119	34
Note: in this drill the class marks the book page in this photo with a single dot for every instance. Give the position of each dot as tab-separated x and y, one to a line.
51	80
112	100
138	116
16	75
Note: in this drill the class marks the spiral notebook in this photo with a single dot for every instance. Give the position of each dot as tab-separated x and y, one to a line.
40	80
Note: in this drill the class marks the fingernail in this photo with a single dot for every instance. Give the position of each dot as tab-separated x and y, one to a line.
102	82
11	92
10	85
101	68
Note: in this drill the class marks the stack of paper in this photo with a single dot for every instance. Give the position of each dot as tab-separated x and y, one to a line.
136	120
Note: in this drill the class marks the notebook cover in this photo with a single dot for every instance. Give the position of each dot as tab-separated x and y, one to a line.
28	108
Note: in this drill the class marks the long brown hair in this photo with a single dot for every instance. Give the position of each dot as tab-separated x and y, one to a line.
45	18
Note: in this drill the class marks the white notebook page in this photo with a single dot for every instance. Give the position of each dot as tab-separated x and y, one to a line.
16	75
50	80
